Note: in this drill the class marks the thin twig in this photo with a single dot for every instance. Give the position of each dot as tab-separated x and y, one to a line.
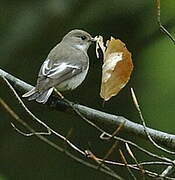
119	128
40	122
126	164
134	167
144	124
110	151
148	163
94	125
16	117
51	130
101	130
162	28
28	134
168	171
97	160
96	116
113	147
133	157
25	108
123	140
140	148
67	137
115	137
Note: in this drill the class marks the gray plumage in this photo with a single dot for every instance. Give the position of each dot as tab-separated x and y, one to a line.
65	67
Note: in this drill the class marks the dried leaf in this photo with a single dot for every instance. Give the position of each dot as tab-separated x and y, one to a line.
99	45
116	69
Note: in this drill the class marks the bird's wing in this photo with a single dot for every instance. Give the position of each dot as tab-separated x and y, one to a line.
58	70
50	76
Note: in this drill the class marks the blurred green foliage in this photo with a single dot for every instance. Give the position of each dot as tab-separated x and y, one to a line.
29	29
2	177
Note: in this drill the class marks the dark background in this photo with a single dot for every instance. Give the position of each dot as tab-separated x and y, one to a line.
30	29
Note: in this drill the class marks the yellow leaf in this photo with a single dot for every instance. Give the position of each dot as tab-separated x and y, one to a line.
116	70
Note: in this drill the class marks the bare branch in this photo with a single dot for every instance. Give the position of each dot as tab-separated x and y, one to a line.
162	28
126	164
144	124
100	165
133	157
168	171
98	117
50	130
104	169
52	144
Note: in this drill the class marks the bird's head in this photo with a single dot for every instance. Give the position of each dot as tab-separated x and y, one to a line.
79	39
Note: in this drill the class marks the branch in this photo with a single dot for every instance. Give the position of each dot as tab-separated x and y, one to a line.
98	117
162	28
168	171
52	144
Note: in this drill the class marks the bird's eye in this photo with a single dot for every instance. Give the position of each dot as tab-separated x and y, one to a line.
83	37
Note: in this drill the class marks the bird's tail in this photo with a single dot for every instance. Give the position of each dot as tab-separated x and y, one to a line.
40	97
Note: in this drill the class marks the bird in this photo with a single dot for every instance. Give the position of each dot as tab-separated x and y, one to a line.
65	67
